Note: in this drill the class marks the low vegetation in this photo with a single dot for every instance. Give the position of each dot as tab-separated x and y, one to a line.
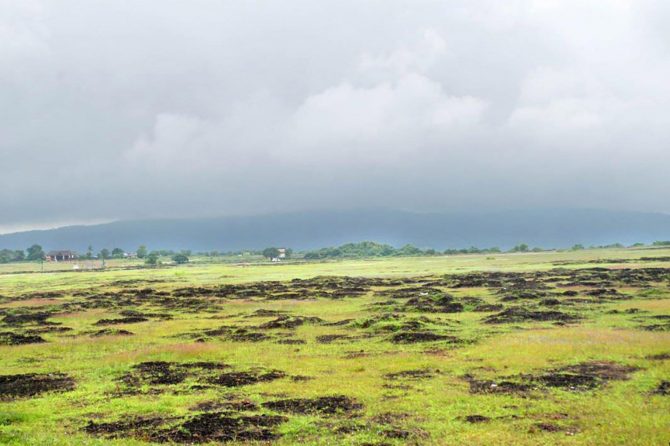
549	348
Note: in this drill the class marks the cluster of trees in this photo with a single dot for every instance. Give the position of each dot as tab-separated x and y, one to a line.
272	253
153	258
34	252
366	249
373	249
349	250
9	255
473	250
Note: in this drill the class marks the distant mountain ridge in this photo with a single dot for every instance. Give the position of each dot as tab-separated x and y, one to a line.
317	229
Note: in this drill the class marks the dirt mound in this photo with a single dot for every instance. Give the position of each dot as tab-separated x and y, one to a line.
31	318
140	426
212	427
237	379
494	387
266	313
159	372
291	341
26	385
9	338
226	405
243	335
417	374
476	419
483	308
158	375
330	338
326	405
439	303
579	377
111	332
203	428
411	337
658	357
663	388
520	314
122	320
663	326
290	322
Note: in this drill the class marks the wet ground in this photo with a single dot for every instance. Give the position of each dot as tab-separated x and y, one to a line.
328	323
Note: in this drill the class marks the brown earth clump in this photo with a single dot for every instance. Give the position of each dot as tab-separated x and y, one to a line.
33	384
325	405
9	338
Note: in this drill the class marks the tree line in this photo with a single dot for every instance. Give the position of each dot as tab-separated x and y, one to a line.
348	250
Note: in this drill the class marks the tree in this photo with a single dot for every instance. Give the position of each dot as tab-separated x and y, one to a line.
142	252
577	247
89	252
522	247
118	253
19	255
35	252
152	258
104	253
270	253
180	258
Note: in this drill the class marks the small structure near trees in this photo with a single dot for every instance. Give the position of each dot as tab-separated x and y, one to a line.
61	255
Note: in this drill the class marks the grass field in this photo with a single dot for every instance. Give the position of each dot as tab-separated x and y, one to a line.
553	348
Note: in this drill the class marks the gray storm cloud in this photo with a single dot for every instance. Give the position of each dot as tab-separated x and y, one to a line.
114	109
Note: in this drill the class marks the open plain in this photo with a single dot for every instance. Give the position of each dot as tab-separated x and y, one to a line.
552	348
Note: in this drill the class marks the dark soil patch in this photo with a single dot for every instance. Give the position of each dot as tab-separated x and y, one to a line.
662	389
338	323
585	376
657	327
27	385
159	374
141	427
212	427
580	377
411	337
474	419
237	379
234	405
495	387
326	405
442	303
291	341
330	338
111	332
658	357
520	314
266	313
242	335
9	338
412	374
546	427
203	428
31	318
290	322
488	307
123	320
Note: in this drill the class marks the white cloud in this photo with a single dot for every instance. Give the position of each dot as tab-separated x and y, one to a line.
217	107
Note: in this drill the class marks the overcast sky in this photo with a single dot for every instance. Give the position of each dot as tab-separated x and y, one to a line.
114	109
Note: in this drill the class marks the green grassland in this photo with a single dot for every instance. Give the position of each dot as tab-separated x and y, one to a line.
551	348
